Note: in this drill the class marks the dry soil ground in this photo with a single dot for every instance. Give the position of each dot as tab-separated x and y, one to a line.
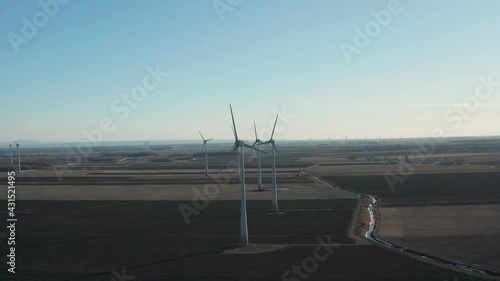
120	209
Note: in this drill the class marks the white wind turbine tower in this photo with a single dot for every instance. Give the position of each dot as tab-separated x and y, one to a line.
18	155
239	146
11	156
275	192
258	142
239	168
205	146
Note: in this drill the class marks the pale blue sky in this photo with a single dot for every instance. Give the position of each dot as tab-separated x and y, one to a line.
263	57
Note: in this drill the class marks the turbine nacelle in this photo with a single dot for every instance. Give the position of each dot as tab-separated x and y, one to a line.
257	140
272	144
205	147
237	142
204	141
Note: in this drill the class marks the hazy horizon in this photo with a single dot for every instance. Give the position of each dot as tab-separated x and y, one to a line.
217	142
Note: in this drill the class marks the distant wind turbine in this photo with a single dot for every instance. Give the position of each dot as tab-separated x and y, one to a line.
18	155
11	156
205	146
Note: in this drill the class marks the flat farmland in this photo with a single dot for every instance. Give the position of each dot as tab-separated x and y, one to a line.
447	211
346	263
72	238
85	240
165	185
120	209
426	188
346	168
464	233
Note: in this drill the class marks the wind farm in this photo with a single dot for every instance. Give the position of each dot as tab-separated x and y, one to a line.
231	140
230	216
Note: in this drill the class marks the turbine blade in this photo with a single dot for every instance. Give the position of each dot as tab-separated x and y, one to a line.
234	124
234	135
255	129
266	142
201	136
275	149
274	127
209	139
249	146
235	148
203	146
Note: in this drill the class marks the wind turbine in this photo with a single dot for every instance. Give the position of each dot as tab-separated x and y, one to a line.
271	142
239	145
11	157
258	142
205	146
18	156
